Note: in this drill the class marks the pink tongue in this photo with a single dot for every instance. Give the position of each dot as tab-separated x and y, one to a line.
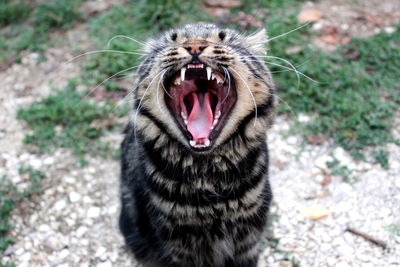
200	119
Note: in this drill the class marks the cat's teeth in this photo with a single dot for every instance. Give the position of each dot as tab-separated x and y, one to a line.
215	122
208	73
207	142
177	81
192	143
213	76
219	80
183	115
183	70
218	115
185	121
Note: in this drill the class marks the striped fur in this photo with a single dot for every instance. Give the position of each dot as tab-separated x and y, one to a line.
185	208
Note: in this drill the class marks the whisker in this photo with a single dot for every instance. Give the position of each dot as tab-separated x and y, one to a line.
109	78
158	87
104	51
132	91
289	69
251	94
139	106
126	37
229	84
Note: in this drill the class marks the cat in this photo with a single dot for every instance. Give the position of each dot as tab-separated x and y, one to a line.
194	160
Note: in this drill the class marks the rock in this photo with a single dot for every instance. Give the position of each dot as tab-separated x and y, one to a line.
316	212
48	161
60	205
81	231
74	197
104	264
309	15
100	251
93	212
64	253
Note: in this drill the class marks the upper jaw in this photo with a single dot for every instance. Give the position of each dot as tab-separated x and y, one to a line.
209	73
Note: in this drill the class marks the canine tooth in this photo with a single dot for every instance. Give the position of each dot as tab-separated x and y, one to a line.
207	142
192	143
208	73
212	127
218	115
213	76
183	115
183	70
185	121
219	80
215	122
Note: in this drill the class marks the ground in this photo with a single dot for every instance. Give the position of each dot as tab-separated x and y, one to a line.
72	220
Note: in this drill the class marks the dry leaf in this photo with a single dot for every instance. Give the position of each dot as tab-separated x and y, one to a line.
327	180
330	39
223	3
345	40
245	20
316	139
309	15
218	11
316	212
294	50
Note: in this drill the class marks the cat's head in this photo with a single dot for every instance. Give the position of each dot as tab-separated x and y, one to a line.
199	84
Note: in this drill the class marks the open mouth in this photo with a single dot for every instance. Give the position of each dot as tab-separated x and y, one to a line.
201	100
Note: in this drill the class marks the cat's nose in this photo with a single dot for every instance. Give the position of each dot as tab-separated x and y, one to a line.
195	49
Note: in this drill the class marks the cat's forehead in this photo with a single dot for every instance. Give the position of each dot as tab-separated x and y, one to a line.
198	32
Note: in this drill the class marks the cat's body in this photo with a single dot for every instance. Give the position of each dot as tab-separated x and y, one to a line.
194	172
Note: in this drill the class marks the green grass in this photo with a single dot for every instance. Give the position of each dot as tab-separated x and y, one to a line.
10	196
13	12
140	20
354	100
394	229
26	26
62	120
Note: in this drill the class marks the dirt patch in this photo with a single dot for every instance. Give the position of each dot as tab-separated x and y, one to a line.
345	19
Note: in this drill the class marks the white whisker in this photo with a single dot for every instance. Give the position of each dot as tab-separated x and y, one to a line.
126	37
251	94
109	78
286	33
104	51
139	106
229	83
158	86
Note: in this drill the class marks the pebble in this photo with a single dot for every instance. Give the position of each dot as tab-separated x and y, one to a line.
81	231
93	212
74	197
60	205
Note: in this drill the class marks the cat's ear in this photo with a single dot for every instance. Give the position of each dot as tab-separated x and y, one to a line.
257	41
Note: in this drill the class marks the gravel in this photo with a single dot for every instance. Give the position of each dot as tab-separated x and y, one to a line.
73	222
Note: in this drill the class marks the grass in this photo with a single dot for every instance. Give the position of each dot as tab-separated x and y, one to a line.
354	99
140	20
62	120
13	12
26	26
10	196
394	229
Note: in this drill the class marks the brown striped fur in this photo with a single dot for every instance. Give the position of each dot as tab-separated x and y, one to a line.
181	207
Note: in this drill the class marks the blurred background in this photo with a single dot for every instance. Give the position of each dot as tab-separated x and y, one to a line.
335	154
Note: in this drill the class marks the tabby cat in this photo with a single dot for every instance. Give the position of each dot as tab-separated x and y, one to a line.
194	170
